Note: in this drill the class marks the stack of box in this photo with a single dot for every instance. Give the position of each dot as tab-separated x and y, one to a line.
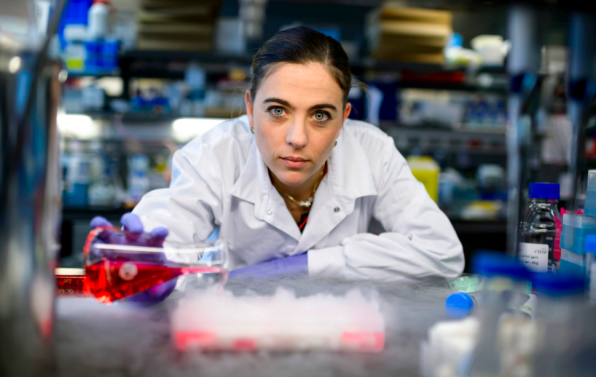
179	25
575	230
408	34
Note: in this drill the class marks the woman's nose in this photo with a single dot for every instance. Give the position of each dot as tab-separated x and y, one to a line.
296	136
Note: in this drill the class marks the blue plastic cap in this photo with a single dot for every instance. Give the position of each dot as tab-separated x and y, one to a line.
544	191
558	285
590	245
491	263
459	305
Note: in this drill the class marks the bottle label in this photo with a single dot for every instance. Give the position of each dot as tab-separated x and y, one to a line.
534	256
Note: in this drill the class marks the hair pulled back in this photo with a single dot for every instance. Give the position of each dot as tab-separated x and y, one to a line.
301	45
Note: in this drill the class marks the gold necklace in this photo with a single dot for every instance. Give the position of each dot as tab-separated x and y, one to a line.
303	203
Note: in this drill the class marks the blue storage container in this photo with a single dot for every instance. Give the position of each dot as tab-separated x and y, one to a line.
573	237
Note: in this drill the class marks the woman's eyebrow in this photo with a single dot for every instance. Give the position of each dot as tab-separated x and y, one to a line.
314	107
280	101
323	106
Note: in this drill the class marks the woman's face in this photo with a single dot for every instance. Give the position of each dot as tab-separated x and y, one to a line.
297	115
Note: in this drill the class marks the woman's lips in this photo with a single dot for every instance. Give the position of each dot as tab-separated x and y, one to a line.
294	162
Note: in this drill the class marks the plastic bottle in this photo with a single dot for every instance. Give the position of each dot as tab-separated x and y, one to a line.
506	324
503	276
75	53
590	248
459	305
98	19
539	234
565	329
138	182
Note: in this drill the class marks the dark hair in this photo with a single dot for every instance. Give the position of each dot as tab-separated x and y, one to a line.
301	45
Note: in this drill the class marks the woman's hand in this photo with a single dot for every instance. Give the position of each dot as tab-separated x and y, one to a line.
296	265
133	229
135	236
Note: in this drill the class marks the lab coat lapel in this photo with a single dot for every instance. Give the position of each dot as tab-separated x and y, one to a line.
254	186
348	178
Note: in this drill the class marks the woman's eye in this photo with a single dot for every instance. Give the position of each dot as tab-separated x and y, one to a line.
277	111
321	117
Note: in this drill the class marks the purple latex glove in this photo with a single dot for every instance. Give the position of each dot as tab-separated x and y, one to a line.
296	265
135	236
134	232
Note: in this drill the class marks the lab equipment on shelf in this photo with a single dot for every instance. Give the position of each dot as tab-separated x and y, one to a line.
427	171
539	247
138	180
114	272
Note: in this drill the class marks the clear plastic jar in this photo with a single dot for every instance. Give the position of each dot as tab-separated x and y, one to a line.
565	327
505	340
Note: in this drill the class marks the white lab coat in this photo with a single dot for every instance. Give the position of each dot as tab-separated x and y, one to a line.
219	179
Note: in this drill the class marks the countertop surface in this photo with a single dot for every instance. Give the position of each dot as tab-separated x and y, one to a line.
92	339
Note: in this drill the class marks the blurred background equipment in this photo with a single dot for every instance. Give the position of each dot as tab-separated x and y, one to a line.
491	103
437	77
29	189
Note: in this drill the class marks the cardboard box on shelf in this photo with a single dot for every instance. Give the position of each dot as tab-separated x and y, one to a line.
408	34
173	25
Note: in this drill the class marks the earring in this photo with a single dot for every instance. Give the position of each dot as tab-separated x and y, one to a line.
252	130
335	144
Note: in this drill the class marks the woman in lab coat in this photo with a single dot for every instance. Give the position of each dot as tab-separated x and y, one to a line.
294	184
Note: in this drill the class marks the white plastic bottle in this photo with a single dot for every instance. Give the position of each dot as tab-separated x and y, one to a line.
98	19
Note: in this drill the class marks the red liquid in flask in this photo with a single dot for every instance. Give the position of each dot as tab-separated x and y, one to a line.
110	280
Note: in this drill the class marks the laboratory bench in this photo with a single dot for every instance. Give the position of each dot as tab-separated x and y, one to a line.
92	339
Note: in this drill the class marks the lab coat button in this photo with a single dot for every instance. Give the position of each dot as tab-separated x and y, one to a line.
336	209
269	211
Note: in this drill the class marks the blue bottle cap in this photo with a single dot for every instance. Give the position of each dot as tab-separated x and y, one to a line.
459	305
544	191
490	263
590	245
558	285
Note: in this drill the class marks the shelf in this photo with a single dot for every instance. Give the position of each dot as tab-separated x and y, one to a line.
84	213
165	64
199	57
96	74
472	141
453	86
131	117
482	226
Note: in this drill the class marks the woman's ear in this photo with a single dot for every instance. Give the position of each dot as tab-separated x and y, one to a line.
249	107
347	110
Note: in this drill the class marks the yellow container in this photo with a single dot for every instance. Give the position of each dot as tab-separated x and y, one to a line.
427	171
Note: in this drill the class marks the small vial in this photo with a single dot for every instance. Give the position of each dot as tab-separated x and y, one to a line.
538	247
